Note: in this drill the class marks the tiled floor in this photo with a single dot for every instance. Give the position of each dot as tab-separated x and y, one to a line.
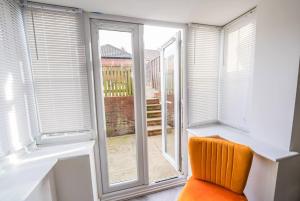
167	195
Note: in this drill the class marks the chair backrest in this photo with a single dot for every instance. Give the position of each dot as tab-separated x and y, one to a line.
220	162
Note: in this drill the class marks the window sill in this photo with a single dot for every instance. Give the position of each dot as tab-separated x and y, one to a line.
66	138
29	169
228	133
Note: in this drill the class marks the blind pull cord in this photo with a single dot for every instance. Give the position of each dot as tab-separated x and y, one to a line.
34	36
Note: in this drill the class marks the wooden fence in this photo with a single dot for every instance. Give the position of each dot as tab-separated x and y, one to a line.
117	81
153	73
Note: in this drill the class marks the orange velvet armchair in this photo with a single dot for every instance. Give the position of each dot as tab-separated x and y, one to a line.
219	170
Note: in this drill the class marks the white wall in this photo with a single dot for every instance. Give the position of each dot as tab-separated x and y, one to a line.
45	191
73	179
288	180
262	179
275	71
295	140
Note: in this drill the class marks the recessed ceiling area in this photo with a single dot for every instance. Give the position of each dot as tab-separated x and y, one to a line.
213	12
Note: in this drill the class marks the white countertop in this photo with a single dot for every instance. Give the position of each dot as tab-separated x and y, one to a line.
20	175
263	149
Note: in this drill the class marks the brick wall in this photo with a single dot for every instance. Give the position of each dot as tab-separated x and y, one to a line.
116	62
119	112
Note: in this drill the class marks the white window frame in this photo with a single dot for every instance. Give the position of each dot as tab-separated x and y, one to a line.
71	137
175	40
140	122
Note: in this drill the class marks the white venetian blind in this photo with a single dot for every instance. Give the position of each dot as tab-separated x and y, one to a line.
203	71
17	123
236	74
59	69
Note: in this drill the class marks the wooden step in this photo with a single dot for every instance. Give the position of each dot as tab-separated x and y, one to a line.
154	130
152	107
154	121
152	101
157	130
170	129
153	114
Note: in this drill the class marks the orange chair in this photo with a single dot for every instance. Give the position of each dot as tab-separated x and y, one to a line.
220	170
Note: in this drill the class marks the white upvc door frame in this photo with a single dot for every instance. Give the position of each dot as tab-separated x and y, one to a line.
147	187
139	103
176	40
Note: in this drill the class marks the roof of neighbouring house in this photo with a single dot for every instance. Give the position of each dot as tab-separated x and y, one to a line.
109	51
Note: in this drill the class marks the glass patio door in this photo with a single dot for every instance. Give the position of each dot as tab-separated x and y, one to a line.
120	103
170	74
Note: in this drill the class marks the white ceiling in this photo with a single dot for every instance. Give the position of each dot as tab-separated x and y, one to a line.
214	12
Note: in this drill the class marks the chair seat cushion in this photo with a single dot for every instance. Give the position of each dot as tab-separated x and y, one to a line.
197	190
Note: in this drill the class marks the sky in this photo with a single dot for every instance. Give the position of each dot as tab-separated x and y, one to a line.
116	38
154	37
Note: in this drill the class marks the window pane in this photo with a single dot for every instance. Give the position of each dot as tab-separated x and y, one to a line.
16	91
203	74
118	91
59	70
169	62
236	75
